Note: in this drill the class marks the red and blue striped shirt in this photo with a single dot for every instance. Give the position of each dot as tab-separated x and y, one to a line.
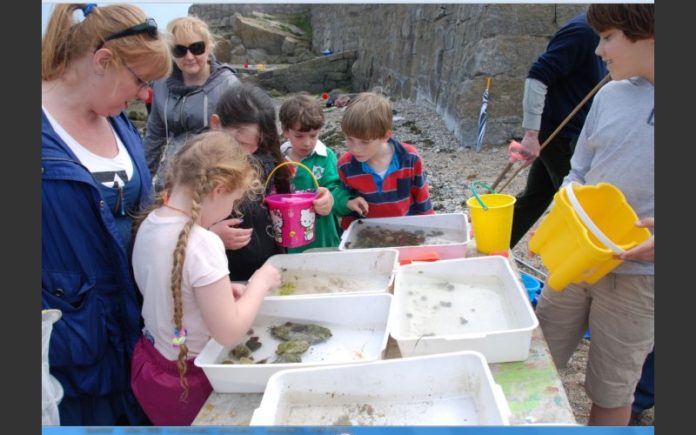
402	191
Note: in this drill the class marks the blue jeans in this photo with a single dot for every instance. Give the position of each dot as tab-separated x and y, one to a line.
644	396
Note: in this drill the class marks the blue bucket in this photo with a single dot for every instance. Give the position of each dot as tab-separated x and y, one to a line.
532	285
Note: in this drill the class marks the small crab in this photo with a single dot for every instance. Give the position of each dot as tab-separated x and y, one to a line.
298	331
292	346
239	351
253	343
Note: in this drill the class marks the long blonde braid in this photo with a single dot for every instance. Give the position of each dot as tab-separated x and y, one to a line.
208	160
177	273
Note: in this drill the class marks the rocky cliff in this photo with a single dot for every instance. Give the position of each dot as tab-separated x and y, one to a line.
439	55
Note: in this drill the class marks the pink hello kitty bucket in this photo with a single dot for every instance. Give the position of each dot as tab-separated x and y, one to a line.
292	214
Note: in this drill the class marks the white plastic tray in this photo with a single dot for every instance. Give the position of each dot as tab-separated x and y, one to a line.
358	324
462	304
344	272
448	389
451	244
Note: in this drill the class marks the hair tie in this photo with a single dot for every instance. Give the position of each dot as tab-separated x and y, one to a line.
179	336
80	14
88	8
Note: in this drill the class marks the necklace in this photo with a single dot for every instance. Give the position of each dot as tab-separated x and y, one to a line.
177	209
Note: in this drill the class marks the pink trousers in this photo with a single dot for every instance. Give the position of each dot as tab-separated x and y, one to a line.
155	383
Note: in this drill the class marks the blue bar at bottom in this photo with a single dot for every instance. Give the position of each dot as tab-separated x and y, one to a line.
356	430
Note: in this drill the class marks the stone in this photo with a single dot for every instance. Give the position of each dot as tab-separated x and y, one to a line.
438	54
259	34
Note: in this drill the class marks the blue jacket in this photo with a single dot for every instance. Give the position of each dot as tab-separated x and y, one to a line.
570	69
85	270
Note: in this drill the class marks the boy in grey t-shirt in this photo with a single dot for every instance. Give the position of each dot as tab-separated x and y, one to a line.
616	145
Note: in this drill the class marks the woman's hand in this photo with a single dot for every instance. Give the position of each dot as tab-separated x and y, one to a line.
359	205
233	238
323	202
646	250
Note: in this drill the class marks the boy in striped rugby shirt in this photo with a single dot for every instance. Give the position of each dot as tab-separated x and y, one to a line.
386	178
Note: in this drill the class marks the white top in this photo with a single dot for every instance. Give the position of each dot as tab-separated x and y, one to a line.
205	263
110	172
319	148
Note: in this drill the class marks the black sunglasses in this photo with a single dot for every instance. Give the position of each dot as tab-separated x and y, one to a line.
196	49
149	27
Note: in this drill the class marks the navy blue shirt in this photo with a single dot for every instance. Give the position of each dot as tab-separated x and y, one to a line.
570	69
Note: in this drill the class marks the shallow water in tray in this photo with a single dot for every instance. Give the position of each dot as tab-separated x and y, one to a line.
435	306
335	409
300	282
379	236
347	342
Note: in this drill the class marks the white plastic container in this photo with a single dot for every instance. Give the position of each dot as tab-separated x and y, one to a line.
462	304
51	389
358	324
451	389
451	244
344	272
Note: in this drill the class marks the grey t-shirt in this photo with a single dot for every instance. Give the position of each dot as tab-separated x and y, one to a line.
617	146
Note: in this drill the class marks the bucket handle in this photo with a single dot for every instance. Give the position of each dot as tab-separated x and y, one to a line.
290	162
472	188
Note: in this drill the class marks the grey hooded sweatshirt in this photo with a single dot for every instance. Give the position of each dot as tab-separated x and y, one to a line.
179	112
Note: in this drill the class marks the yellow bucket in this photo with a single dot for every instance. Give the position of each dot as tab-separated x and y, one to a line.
571	252
492	225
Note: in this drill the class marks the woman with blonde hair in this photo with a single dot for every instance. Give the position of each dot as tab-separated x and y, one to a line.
182	103
94	176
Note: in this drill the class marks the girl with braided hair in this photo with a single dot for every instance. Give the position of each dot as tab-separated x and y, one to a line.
181	268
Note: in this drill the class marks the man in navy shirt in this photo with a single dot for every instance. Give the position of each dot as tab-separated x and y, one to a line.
559	79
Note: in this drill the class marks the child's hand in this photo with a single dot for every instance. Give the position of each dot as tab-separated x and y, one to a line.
359	205
646	250
323	202
232	237
238	290
267	276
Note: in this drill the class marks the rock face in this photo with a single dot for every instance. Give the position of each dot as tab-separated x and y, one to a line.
439	55
252	34
314	76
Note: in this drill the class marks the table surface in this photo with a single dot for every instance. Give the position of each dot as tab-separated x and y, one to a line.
533	389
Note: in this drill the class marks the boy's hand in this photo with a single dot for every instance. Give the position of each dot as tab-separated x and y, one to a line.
323	202
232	237
646	250
359	205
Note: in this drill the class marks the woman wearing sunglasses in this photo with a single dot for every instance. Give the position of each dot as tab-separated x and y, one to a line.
94	177
183	103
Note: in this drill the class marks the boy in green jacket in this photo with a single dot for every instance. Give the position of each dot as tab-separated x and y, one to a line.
301	118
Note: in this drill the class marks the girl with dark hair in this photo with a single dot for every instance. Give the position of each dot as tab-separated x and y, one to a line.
248	114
